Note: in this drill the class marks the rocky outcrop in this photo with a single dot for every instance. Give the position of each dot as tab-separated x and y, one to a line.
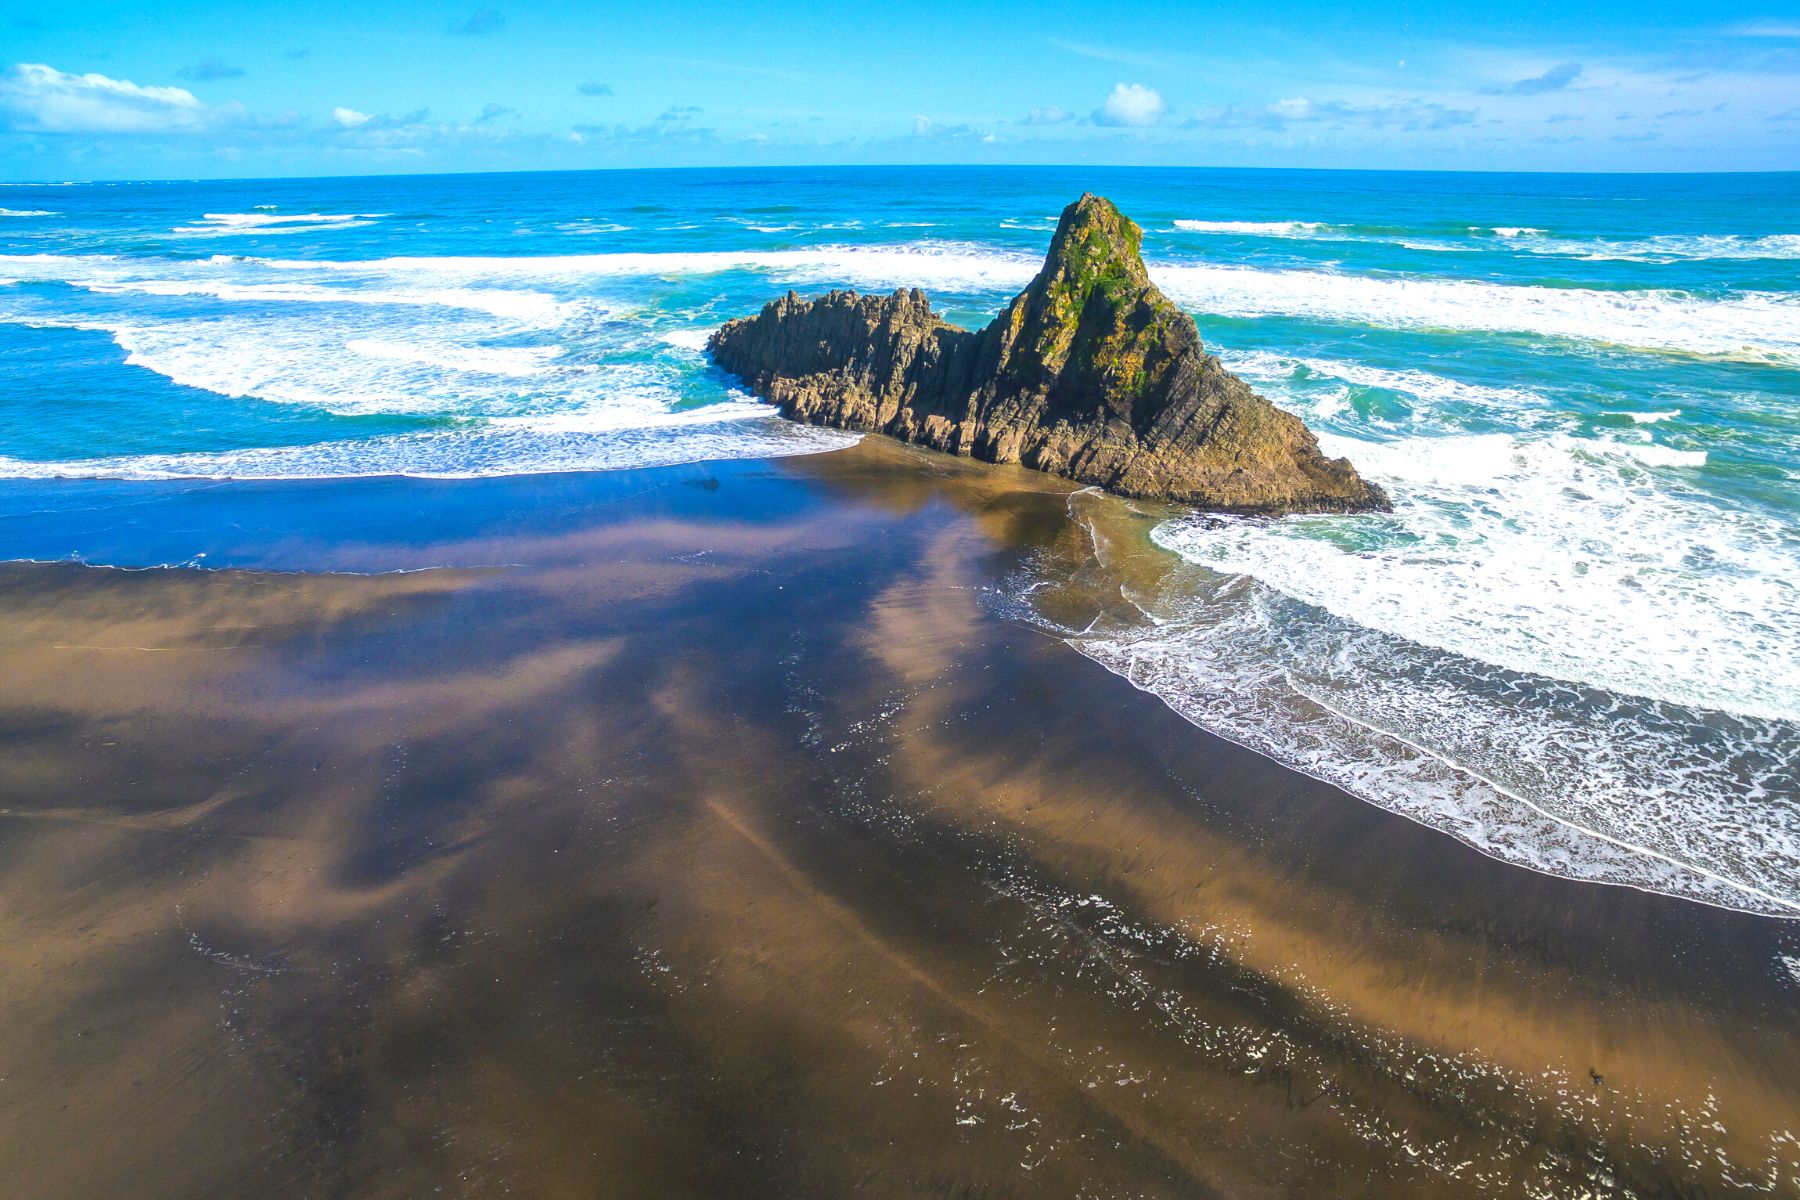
1089	373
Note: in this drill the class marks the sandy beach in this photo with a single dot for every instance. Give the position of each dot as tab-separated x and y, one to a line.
721	830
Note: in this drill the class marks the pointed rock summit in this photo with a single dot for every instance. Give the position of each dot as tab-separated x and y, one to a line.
1090	373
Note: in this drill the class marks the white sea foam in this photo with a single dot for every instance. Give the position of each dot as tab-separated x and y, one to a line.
945	266
1255	228
512	361
1571	785
516	447
1530	239
519	409
646	408
527	306
336	367
1659	456
292	364
1563	779
1652	418
351	359
26	212
1762	325
688	339
1261	366
532	383
263	222
1671	247
50	266
266	217
1758	325
1568	558
1333	403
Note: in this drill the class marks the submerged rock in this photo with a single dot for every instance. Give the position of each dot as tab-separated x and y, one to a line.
1089	373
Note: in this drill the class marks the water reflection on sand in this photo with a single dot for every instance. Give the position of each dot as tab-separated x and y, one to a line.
733	841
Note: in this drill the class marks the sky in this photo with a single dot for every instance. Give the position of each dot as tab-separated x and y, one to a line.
162	89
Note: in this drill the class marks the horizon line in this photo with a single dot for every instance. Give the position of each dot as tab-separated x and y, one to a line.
49	182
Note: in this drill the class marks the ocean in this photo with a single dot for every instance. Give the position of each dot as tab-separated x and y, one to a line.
1574	645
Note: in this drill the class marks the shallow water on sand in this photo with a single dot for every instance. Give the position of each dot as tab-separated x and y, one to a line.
718	830
1575	645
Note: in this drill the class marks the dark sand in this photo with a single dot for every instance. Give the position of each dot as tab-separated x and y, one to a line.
729	843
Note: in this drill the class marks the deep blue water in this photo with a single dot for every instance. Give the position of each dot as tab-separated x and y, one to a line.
1575	644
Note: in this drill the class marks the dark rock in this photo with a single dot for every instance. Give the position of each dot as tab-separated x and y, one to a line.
1089	373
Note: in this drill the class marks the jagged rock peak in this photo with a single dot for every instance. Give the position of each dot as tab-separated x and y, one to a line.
1089	373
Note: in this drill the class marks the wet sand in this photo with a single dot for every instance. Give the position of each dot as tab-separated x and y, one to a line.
715	831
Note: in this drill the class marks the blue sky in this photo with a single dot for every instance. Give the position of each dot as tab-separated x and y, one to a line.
102	89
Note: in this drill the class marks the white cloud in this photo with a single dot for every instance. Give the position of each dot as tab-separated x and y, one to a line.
1054	115
1766	29
39	97
1131	104
387	129
1403	113
926	128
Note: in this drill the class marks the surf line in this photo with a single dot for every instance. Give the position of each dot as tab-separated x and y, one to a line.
1736	885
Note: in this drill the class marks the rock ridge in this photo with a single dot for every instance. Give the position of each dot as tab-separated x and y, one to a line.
1090	373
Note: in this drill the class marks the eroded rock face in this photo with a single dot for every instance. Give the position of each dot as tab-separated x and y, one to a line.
1089	373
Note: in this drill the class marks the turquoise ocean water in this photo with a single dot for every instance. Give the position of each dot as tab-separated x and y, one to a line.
1575	644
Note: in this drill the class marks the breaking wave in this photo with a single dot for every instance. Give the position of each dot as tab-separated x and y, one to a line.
1534	770
1760	326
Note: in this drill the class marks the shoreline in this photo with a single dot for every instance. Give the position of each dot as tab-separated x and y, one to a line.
1028	480
788	858
1519	865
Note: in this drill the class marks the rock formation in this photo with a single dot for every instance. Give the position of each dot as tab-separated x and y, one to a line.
1089	373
